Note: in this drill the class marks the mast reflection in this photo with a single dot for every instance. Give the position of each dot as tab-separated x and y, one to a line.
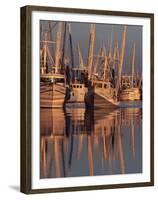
78	143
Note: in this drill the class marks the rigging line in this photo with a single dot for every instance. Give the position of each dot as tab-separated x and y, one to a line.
49	54
52	27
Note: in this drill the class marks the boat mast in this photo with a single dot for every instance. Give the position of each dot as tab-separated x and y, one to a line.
45	52
51	39
41	51
110	45
63	44
71	52
116	53
133	65
105	67
57	52
80	57
71	47
90	50
96	64
41	61
121	57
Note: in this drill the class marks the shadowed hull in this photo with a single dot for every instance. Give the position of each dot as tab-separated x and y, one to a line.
96	101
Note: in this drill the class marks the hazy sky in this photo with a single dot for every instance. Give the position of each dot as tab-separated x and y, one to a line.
80	34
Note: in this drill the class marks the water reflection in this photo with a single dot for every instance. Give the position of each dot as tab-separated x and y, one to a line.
79	143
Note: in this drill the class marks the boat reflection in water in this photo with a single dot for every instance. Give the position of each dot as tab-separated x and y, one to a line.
78	143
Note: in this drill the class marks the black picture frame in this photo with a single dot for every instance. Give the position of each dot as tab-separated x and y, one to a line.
26	88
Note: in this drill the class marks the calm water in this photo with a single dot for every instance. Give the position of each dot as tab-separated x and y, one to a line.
79	143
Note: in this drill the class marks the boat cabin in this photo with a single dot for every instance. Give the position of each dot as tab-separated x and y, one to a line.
103	84
77	85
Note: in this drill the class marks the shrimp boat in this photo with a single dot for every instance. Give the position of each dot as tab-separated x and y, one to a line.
75	80
60	84
52	95
130	85
101	97
102	90
130	94
52	80
75	90
77	93
76	96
